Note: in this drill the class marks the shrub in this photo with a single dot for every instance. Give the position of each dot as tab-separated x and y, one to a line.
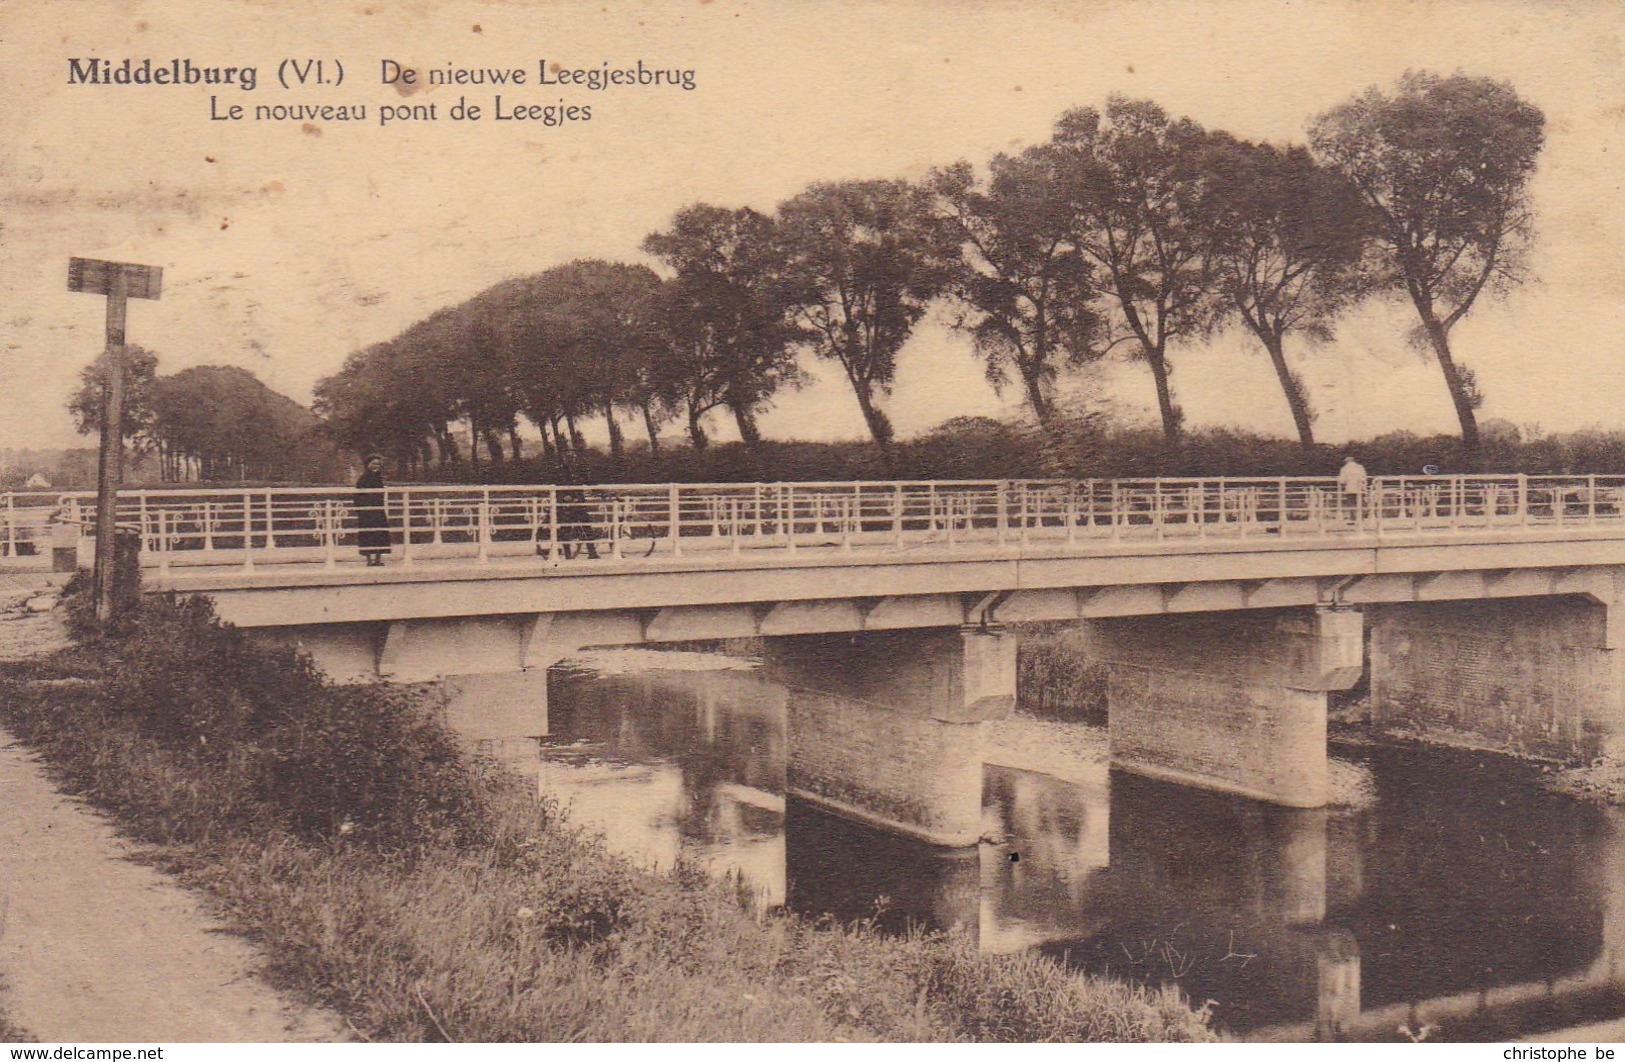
280	743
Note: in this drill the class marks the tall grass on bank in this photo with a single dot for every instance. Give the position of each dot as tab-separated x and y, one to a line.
1058	679
426	897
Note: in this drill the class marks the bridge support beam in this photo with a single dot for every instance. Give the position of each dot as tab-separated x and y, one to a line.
1230	701
1534	676
885	727
490	670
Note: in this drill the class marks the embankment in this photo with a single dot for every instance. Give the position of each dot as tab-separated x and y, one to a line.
423	896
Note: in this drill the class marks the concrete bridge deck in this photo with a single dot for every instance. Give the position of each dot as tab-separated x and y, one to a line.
1052	549
1226	610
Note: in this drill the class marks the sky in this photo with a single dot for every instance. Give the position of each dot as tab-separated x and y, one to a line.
288	244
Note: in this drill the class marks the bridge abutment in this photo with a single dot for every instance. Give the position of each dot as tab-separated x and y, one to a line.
491	670
886	726
1535	676
1234	702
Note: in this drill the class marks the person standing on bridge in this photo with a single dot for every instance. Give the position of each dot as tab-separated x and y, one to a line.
1351	484
372	513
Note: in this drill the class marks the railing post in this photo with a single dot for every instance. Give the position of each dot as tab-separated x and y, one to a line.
853	508
1071	512
674	507
485	525
1280	505
407	559
163	540
1117	511
248	530
897	515
789	517
11	526
1591	497
270	522
1026	514
1523	499
330	525
1156	506
552	502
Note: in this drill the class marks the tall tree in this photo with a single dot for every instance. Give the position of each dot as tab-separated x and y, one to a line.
1136	196
1286	237
85	405
865	259
229	423
577	337
615	334
1023	288
383	399
728	315
1444	164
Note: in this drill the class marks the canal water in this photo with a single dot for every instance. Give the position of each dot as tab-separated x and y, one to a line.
1446	896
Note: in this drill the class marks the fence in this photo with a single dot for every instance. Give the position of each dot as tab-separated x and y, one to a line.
561	524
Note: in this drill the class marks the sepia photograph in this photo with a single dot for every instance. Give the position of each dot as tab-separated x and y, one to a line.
722	521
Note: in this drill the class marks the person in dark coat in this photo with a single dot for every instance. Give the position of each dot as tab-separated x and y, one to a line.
576	529
372	513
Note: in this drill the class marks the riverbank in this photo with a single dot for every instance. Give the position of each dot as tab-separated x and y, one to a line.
422	896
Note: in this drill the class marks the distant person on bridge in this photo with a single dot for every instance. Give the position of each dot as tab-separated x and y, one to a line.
372	513
1351	484
576	527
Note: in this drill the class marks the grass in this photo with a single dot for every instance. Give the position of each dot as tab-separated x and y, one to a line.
423	896
1057	678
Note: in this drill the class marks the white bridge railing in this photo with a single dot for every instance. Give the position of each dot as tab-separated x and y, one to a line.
245	528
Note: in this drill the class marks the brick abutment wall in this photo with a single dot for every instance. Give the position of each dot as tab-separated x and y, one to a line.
1527	676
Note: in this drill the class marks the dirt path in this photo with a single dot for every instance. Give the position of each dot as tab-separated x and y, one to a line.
96	947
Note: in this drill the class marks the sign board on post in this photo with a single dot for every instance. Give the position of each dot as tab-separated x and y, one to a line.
92	276
119	281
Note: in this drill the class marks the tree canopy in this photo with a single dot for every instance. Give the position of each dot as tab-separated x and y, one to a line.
865	259
1286	237
727	314
1130	229
1023	287
1444	165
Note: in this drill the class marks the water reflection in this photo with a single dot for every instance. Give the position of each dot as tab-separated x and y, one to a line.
675	766
1463	899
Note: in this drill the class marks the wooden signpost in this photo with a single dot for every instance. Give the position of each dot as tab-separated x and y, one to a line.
119	281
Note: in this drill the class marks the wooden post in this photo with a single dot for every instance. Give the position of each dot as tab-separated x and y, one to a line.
119	281
110	469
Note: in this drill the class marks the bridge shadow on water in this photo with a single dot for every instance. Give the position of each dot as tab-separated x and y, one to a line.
1458	901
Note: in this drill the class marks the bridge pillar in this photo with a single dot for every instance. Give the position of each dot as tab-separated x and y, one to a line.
885	727
1229	701
1536	676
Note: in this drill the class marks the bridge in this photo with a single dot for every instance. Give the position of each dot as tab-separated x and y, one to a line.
1486	608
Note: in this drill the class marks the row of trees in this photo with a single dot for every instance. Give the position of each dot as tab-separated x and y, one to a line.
1129	230
210	422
